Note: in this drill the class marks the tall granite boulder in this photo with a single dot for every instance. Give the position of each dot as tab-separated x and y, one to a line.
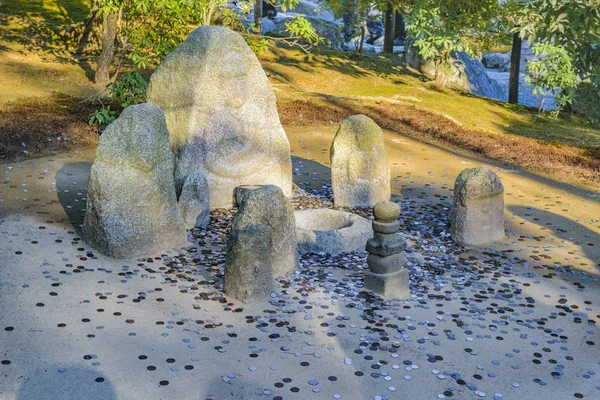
360	170
477	216
262	244
221	115
194	201
131	205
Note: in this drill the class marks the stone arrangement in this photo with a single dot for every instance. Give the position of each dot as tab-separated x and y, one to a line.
477	216
222	116
360	170
152	325
194	201
328	231
387	275
262	244
131	205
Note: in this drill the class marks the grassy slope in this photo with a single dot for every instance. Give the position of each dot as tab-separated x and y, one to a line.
381	77
32	63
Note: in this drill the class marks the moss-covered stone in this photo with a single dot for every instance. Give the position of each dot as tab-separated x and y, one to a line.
477	183
386	211
477	216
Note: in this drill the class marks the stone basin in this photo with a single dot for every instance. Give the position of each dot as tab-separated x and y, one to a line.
329	231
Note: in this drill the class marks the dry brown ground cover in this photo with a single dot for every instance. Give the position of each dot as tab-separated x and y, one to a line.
37	126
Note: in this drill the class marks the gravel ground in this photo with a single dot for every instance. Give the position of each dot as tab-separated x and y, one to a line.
514	320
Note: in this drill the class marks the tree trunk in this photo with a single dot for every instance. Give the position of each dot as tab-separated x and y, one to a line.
258	11
109	34
515	66
399	27
87	34
388	32
88	40
363	30
441	70
350	19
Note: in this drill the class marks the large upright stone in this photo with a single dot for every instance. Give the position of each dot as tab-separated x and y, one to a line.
131	204
248	270
221	114
360	170
477	216
262	243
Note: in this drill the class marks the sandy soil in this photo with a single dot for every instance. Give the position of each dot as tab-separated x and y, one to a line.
484	313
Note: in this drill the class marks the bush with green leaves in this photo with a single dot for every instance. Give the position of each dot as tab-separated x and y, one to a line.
552	73
301	32
148	30
571	24
439	28
128	91
102	117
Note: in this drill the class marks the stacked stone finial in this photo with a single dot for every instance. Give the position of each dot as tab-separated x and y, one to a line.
477	216
387	275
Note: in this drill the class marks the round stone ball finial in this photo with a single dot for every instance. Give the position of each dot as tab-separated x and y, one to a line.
386	211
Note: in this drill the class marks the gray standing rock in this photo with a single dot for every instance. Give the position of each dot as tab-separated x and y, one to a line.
360	170
194	201
131	205
387	275
477	216
262	240
222	116
248	272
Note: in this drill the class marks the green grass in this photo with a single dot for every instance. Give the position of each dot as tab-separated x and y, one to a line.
54	12
376	76
28	70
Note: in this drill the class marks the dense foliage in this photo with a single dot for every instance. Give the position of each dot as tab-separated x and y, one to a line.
572	24
148	30
552	73
441	27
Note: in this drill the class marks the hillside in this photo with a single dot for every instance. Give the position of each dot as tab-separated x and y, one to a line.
322	87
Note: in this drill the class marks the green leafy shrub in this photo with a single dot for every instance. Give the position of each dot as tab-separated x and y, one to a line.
130	90
102	117
552	73
587	102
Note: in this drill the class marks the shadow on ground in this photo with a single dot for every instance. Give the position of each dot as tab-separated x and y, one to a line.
68	196
76	383
565	229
